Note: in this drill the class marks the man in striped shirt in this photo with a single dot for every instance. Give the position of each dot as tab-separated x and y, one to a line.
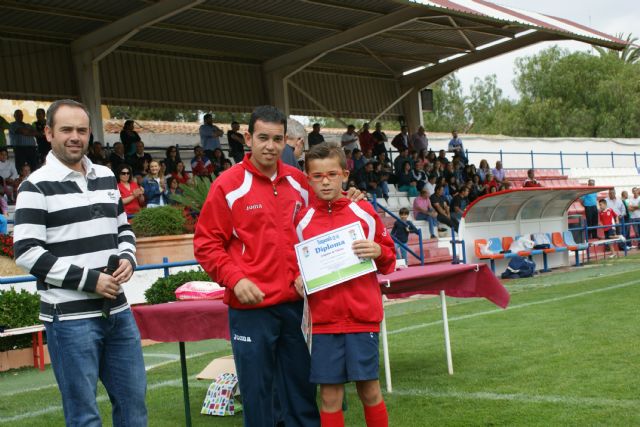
69	220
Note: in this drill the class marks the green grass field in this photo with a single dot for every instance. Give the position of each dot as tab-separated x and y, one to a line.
565	352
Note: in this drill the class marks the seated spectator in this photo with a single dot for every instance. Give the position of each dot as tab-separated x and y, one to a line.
117	156
449	171
131	194
442	156
491	185
405	180
420	176
385	163
401	141
483	170
500	176
25	171
129	138
154	186
138	158
531	180
459	203
96	154
8	174
454	187
226	165
172	156
173	189
383	179
477	188
315	137
399	161
349	139
367	155
236	142
349	157
200	164
440	204
423	211
367	180
400	231
442	182
430	185
180	174
358	160
218	159
438	169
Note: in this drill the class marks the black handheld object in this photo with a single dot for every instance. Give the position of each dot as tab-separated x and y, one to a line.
112	265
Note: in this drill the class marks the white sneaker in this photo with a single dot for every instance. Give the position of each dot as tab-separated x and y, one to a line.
613	256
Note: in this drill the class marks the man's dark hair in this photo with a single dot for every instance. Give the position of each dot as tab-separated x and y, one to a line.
268	114
316	125
207	116
234	123
53	108
325	151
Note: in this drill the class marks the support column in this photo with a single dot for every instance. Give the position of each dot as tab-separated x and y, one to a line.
277	91
88	77
412	111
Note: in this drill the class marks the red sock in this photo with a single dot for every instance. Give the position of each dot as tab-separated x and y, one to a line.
376	416
332	419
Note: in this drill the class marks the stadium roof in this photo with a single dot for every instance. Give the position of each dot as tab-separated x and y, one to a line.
345	58
525	203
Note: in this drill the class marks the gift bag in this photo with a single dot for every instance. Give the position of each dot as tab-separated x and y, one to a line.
220	398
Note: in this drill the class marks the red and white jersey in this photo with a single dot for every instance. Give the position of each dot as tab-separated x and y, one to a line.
356	305
245	230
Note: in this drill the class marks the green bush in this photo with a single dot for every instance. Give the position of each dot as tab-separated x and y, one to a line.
160	221
195	193
18	309
163	290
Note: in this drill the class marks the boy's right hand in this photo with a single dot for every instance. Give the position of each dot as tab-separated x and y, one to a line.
248	292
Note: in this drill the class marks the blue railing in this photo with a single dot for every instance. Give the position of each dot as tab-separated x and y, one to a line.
375	204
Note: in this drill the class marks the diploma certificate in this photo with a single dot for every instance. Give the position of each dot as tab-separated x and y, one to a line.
328	260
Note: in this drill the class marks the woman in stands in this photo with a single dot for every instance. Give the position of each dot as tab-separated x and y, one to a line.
180	174
154	186
129	137
172	157
491	183
453	186
406	181
484	170
217	161
132	195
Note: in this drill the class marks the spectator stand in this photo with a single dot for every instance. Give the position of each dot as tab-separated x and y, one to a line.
521	212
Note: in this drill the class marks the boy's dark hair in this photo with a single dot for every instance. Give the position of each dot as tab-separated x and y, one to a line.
602	201
269	114
403	211
4	150
325	151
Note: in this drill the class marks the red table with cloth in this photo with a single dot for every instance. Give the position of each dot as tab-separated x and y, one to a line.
183	321
454	280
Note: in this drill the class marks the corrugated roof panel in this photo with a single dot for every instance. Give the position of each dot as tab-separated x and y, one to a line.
351	95
45	22
111	7
150	80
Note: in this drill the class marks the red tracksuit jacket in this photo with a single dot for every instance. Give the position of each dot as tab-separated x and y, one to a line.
246	230
356	305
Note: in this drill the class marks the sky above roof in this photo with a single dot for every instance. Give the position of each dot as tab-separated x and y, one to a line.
611	17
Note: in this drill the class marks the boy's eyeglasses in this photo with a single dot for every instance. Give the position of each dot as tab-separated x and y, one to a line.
331	176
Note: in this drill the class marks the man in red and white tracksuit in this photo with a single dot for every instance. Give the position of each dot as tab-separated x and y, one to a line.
245	240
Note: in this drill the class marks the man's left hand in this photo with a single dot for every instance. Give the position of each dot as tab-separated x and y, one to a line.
355	195
124	271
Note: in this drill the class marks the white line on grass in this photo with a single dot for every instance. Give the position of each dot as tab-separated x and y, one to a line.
513	307
99	399
517	397
174	358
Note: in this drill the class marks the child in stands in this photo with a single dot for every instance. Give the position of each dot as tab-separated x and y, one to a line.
346	317
401	229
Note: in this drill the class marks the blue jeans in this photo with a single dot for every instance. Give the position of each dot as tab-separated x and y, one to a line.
433	222
3	224
87	349
401	252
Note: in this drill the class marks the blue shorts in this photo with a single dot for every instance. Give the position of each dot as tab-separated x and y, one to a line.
340	358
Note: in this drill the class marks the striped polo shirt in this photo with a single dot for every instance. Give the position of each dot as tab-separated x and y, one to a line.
67	224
